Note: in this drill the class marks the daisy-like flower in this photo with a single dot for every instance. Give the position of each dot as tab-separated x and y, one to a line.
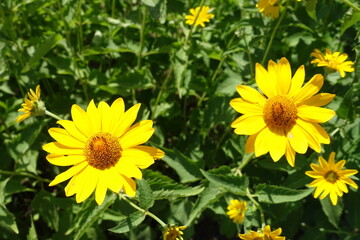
103	149
263	234
203	16
32	106
285	117
236	210
269	8
330	178
333	61
173	232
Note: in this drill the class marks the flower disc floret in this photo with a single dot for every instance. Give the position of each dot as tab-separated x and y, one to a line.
280	112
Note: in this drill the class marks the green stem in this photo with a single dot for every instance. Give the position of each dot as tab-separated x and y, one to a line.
258	206
350	4
250	58
52	115
246	160
25	174
142	32
193	25
153	216
161	93
273	34
113	8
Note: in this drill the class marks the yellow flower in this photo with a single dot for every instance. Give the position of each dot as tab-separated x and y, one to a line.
333	61
330	179
263	234
103	149
203	16
270	8
236	210
32	105
284	118
173	232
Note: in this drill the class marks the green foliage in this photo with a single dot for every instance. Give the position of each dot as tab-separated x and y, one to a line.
184	77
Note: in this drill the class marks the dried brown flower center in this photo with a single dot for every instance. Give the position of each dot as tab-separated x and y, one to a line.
102	151
331	177
280	112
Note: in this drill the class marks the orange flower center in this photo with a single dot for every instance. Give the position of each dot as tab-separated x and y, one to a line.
280	112
102	151
331	176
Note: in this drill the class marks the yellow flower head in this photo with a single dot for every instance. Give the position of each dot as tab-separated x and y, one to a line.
200	16
103	149
334	61
269	8
236	210
173	232
32	105
330	179
285	117
263	234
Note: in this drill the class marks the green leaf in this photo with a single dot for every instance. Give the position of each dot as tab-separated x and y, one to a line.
7	219
276	194
208	196
43	203
332	212
350	20
146	199
150	3
42	50
129	223
228	86
346	108
311	8
180	61
186	168
230	183
32	231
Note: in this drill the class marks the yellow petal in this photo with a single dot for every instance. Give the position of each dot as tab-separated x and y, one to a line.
101	188
88	179
106	116
251	95
114	181
94	116
129	187
283	76
137	134
272	72
126	168
309	89
265	84
262	142
81	120
117	110
68	160
250	143
126	120
72	130
290	154
315	114
55	147
248	125
245	107
277	146
297	81
69	173
333	197
64	138
297	139
154	152
319	100
139	157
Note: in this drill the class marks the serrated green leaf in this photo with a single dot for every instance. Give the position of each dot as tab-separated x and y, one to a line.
346	108
129	223
230	183
8	219
332	212
146	199
277	194
42	50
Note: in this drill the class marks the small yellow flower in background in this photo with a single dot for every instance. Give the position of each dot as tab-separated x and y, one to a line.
203	16
284	118
32	106
330	178
236	210
269	8
173	232
334	61
263	234
103	149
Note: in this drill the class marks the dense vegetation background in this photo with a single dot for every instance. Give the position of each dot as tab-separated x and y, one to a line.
139	50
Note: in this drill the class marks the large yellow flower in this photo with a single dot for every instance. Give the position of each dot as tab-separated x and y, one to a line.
103	148
334	61
202	17
32	105
236	210
284	118
173	232
269	8
263	234
330	178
